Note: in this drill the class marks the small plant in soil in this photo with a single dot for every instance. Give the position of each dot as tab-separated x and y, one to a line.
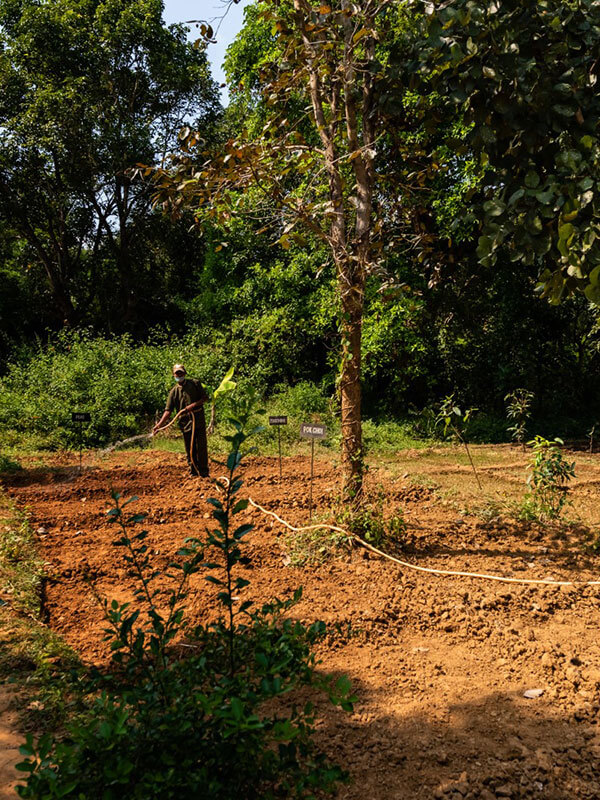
591	435
314	546
518	411
550	472
8	464
593	539
368	522
453	421
212	725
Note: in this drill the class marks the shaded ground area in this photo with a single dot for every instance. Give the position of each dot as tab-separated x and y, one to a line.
439	664
10	739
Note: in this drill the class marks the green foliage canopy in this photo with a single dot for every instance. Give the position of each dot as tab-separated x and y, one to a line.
87	89
524	75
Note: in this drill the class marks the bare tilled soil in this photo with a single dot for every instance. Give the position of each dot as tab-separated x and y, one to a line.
440	664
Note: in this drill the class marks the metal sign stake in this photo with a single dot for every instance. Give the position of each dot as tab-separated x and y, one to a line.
81	417
312	432
312	469
279	444
279	421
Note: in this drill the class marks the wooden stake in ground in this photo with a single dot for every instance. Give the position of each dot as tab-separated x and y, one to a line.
312	432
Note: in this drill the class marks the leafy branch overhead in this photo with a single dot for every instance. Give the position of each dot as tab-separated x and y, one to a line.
320	55
524	74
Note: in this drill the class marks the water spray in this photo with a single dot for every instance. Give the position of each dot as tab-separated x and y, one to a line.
140	437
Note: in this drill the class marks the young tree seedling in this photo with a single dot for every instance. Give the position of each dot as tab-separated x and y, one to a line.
518	408
452	419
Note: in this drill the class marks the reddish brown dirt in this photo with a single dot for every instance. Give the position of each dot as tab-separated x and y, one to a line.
439	664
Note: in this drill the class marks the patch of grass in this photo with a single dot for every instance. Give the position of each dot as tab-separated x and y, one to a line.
31	655
20	566
491	509
391	436
424	480
316	546
384	438
369	522
168	444
37	661
8	464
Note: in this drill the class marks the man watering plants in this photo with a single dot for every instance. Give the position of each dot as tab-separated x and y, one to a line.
187	399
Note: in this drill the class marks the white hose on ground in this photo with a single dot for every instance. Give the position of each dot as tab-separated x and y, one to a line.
430	570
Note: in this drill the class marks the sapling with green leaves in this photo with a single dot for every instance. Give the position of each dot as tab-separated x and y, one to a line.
518	410
550	472
146	647
223	538
591	436
453	421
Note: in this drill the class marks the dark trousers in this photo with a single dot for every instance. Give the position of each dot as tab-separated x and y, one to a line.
195	446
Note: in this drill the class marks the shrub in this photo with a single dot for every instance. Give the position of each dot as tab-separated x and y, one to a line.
366	519
211	725
122	384
456	423
518	409
547	480
314	546
8	464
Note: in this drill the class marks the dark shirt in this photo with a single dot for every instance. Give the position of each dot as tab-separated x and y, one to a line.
184	394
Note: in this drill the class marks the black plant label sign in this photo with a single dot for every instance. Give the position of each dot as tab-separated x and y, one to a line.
311	431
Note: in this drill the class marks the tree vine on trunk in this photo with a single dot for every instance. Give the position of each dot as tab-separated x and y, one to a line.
307	171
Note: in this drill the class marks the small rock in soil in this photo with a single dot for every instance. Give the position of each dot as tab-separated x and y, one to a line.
532	694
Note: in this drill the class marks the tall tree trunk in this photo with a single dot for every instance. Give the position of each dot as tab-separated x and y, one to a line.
64	303
123	253
61	297
352	294
56	279
127	291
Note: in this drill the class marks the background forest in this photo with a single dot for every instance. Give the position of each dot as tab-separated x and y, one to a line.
101	291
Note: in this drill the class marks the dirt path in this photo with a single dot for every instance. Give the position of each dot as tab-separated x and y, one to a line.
439	664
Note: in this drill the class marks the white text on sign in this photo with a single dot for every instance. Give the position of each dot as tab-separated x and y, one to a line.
313	431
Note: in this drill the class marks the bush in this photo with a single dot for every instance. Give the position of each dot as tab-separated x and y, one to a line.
8	464
367	521
548	479
314	546
121	384
211	725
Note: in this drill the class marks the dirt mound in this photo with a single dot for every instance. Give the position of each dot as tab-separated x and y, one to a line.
440	665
